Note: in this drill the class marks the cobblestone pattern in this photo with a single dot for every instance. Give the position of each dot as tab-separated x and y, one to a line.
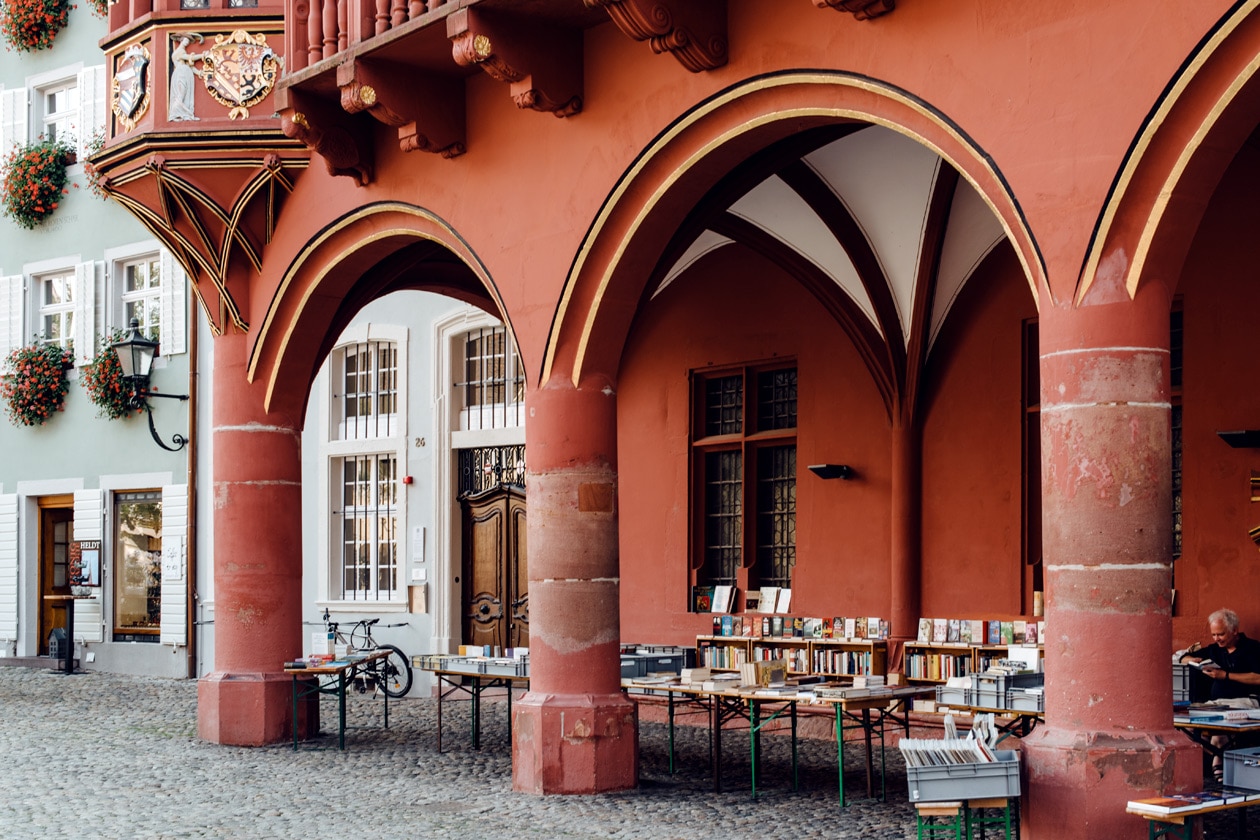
104	756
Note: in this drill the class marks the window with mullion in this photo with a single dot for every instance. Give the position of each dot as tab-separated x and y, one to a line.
745	459
369	527
142	295
56	308
369	390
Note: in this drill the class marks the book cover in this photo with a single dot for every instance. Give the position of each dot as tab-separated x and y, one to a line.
977	631
769	598
765	626
940	629
1019	631
964	632
776	625
813	628
885	628
1008	632
953	631
727	624
872	627
717	625
1160	805
859	628
702	599
784	601
925	630
837	627
1030	635
723	598
995	632
826	628
798	627
850	628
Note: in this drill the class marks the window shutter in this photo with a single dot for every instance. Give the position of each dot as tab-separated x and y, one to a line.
84	313
92	108
8	567
89	524
11	334
174	307
174	614
12	122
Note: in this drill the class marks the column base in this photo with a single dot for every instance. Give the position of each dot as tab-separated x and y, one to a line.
1077	783
574	743
249	710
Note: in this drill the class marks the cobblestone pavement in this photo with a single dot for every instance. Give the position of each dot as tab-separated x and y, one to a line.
104	756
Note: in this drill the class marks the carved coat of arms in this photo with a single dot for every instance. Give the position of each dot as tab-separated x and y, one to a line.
240	70
130	95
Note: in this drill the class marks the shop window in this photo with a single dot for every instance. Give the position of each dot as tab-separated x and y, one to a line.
744	457
138	564
367	521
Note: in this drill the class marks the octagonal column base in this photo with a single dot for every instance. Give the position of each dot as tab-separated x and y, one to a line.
574	743
249	710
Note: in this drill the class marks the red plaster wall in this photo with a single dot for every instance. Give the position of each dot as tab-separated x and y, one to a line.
1220	289
733	307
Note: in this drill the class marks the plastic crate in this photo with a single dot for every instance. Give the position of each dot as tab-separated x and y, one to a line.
1181	683
947	695
1242	768
1023	700
633	666
951	782
989	690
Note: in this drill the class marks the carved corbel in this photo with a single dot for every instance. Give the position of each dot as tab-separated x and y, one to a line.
542	64
694	31
428	112
345	147
860	9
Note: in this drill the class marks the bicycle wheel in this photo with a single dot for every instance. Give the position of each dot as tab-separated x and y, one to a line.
393	673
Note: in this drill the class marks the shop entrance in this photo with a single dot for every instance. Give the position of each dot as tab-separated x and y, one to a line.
56	531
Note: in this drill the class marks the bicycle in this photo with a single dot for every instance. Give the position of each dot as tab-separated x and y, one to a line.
392	674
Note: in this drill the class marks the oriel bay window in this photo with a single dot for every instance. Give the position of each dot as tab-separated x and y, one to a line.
138	558
744	459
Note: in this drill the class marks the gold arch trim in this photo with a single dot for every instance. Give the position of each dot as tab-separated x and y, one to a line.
1147	138
312	246
710	107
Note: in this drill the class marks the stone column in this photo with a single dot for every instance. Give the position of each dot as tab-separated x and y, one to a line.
1106	519
907	534
574	731
257	477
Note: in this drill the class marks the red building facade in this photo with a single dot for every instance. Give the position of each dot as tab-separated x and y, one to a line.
997	253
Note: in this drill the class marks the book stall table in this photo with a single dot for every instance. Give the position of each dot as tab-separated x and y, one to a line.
1201	731
868	713
471	676
333	678
1176	818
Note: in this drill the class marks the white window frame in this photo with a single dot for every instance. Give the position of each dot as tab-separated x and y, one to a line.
90	113
335	447
172	294
490	415
67	311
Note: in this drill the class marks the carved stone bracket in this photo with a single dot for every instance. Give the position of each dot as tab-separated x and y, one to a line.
428	113
542	65
860	9
345	148
694	31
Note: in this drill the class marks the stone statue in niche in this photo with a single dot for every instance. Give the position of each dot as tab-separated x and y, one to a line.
183	77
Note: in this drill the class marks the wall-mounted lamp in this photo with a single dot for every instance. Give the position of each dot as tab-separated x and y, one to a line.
1243	439
135	356
832	470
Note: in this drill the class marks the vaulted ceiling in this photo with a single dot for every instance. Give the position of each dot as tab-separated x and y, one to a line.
879	227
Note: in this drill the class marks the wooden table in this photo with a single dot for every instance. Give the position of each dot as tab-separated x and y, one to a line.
333	678
1202	732
66	602
473	682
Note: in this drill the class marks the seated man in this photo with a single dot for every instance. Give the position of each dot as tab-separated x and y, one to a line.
1235	666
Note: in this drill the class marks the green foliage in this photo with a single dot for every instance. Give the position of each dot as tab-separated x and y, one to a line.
34	384
35	181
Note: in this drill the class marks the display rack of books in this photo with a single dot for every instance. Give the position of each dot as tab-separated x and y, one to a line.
987	656
795	652
937	662
722	653
844	658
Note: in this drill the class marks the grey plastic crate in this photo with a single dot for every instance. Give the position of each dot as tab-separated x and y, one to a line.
1242	768
1181	683
633	666
1023	700
949	782
952	696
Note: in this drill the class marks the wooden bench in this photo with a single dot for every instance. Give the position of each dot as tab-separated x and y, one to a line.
1181	825
965	819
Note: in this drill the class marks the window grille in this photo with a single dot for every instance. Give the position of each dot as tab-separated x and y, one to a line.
485	467
369	390
493	391
369	527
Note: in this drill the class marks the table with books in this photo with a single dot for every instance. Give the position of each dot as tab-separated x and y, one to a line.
471	675
1176	816
864	708
317	675
1201	723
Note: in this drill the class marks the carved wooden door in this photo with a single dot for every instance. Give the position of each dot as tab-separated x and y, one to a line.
495	582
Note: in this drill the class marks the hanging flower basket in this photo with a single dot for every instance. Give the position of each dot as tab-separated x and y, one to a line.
100	8
35	181
103	381
30	25
34	384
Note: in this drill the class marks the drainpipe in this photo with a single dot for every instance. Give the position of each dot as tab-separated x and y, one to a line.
190	539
